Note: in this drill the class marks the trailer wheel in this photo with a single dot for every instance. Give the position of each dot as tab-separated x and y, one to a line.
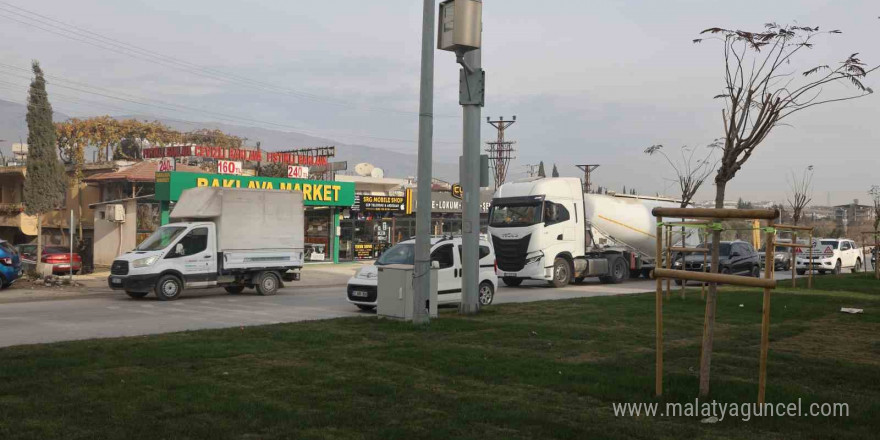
511	281
234	289
561	273
168	288
619	272
267	283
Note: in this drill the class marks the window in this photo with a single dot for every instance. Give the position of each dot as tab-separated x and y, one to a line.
194	242
555	213
403	253
443	255
484	252
844	246
161	238
511	215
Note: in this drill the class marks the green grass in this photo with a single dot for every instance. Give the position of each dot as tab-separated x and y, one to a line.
520	371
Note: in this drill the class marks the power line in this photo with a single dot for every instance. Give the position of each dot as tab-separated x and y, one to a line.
85	36
500	151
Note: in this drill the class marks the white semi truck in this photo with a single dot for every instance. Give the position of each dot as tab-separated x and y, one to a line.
548	229
219	237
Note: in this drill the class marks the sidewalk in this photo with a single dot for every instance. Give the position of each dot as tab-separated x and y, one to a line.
313	275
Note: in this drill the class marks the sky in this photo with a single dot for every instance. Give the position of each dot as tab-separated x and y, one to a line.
589	82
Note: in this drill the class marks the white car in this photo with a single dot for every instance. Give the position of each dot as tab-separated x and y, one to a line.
830	255
362	287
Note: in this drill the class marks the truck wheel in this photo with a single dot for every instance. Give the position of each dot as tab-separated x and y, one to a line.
267	284
136	295
234	289
837	268
619	272
511	281
858	266
561	273
168	288
579	280
487	293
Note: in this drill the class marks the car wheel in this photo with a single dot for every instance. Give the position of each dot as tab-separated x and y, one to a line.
756	271
365	308
267	284
234	289
3	283
561	273
786	267
821	272
619	272
837	268
168	288
511	281
487	293
801	271
858	266
136	295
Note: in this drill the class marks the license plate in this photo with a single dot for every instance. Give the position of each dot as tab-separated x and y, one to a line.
509	274
360	293
116	280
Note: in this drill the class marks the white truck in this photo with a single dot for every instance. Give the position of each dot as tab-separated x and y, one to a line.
548	229
830	255
219	237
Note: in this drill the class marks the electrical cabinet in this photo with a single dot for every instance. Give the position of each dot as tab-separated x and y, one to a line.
396	292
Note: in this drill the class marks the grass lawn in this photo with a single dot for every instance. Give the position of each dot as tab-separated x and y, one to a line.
519	371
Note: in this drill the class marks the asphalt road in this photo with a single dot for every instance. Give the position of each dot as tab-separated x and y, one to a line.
113	314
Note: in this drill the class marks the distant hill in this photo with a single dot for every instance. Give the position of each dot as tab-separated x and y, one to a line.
395	164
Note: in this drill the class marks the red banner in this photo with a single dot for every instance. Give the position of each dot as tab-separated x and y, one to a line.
241	154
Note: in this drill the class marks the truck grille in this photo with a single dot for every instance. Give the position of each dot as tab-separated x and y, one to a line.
371	292
511	254
119	267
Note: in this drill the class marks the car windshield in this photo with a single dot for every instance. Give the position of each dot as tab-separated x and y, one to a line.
520	214
725	248
161	238
398	254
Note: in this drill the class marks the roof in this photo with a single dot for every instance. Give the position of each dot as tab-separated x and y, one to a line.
140	172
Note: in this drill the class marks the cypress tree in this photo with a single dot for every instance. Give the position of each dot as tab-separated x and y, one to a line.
555	172
46	182
541	172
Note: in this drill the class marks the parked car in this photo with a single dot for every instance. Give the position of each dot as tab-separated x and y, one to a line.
831	255
781	256
57	256
363	286
10	264
735	258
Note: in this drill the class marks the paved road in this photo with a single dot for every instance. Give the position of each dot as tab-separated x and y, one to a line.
109	314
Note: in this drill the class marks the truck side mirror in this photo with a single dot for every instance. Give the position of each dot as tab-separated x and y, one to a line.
435	264
178	249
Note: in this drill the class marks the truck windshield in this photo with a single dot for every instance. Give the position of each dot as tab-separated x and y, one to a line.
161	238
520	214
398	254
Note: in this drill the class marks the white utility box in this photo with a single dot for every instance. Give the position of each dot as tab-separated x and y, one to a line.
396	291
460	25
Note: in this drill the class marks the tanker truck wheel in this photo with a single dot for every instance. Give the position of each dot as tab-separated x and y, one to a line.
561	273
619	272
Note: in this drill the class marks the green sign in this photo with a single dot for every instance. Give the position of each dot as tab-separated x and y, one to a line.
315	192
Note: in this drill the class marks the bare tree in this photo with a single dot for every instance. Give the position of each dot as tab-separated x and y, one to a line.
800	195
761	90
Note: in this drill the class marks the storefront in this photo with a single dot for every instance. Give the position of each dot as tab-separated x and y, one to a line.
323	201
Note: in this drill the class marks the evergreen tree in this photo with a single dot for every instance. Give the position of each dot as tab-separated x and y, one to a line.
46	182
555	172
541	172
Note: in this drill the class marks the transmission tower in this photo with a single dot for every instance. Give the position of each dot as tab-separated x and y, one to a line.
500	151
587	169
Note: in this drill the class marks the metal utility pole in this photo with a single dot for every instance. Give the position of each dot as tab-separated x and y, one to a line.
470	183
500	151
587	169
422	269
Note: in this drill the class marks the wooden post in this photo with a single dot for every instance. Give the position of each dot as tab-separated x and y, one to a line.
658	315
668	260
877	261
810	265
765	321
793	269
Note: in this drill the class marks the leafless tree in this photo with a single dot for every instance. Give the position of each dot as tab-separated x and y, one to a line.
800	193
762	90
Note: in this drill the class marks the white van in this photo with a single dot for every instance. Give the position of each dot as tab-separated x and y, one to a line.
446	251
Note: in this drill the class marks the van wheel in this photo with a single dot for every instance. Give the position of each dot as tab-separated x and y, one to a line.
234	289
561	273
511	281
136	295
267	284
619	272
168	288
487	293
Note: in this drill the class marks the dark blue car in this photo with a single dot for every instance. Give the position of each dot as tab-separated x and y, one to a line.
10	264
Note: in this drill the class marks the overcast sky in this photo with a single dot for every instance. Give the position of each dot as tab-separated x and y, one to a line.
590	82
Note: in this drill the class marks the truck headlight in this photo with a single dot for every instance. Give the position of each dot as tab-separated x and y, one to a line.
535	258
144	262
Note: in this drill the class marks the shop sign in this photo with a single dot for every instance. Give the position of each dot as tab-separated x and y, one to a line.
456	191
297	172
167	164
445	202
363	251
305	156
315	192
391	204
229	167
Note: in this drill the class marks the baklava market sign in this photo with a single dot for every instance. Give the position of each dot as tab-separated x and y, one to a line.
304	156
315	192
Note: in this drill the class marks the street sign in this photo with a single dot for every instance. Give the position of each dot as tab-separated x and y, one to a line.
297	172
229	167
166	165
